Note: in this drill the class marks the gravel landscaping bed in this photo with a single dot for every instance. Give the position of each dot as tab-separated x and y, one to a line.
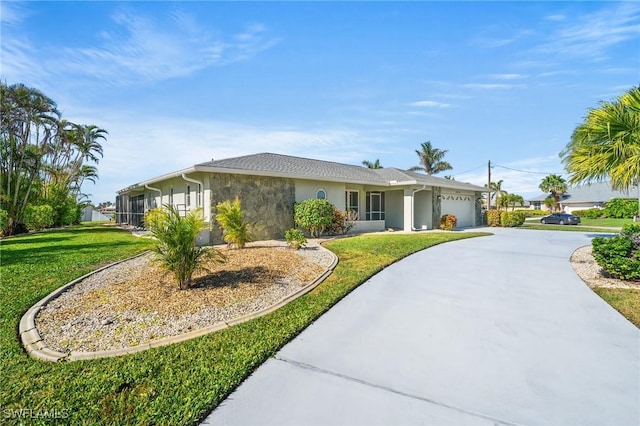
136	302
591	273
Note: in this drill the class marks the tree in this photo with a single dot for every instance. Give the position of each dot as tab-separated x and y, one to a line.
513	199
556	185
431	159
176	248
449	177
374	165
496	189
607	144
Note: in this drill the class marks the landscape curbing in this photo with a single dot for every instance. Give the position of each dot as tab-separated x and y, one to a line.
35	347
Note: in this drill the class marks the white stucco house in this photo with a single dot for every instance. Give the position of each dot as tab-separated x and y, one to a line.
583	197
269	185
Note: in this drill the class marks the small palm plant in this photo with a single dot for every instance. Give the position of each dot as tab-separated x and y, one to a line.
176	249
231	219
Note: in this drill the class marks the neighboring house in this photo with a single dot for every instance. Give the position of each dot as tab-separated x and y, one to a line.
594	195
90	214
268	185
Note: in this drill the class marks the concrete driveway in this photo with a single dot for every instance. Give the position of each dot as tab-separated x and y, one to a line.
493	330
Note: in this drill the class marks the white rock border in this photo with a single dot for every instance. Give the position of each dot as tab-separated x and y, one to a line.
35	347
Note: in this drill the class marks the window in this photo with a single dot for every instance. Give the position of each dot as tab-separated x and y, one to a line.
352	201
321	194
188	196
199	197
375	206
537	205
171	196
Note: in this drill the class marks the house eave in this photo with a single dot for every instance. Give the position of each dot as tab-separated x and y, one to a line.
141	185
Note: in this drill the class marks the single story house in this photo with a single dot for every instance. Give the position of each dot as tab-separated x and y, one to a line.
582	197
268	185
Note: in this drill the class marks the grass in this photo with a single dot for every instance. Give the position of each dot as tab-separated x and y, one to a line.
617	223
541	227
625	301
180	383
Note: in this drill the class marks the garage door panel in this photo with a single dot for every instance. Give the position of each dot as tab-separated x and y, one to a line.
462	206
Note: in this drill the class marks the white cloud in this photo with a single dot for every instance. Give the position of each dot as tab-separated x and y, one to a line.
508	76
13	13
430	104
491	86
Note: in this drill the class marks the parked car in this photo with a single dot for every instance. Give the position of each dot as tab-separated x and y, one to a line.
561	219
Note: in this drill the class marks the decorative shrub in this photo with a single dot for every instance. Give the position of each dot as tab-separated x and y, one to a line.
3	219
39	217
621	209
594	213
620	255
231	219
512	219
534	213
493	217
176	249
342	221
448	222
295	238
314	215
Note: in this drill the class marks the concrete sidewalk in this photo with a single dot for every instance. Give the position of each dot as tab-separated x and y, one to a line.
493	330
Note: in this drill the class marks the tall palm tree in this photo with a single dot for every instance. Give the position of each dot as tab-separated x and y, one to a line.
496	189
607	144
374	165
556	185
431	159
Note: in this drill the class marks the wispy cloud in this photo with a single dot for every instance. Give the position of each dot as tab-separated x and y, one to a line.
487	39
12	13
430	104
590	36
491	86
508	76
142	48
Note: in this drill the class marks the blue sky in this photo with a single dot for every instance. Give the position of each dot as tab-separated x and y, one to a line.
178	83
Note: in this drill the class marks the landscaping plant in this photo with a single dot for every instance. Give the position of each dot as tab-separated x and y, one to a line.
342	221
493	218
176	248
313	215
621	209
295	238
231	219
620	255
38	217
511	219
448	222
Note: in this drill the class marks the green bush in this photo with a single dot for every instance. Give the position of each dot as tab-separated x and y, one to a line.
39	217
512	219
295	238
313	215
3	219
621	209
534	213
493	217
594	213
448	222
617	256
176	248
231	219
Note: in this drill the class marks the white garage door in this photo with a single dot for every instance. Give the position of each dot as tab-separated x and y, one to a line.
462	206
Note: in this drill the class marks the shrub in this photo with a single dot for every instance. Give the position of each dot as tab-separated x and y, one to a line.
231	219
295	238
594	213
493	217
176	248
632	231
3	219
533	213
617	256
448	222
342	221
314	215
621	209
39	217
512	219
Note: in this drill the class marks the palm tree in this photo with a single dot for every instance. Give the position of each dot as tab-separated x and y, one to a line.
607	144
513	199
556	185
496	189
374	165
431	159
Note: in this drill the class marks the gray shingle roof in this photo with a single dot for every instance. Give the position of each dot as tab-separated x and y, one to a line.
318	169
598	192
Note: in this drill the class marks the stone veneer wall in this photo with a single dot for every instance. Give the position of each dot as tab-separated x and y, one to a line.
267	203
479	215
437	207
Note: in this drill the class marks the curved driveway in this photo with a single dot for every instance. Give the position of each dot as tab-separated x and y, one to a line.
492	330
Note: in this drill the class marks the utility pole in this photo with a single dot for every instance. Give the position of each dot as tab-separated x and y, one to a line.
489	186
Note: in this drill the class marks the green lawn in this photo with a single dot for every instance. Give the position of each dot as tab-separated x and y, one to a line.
541	227
626	301
172	385
618	223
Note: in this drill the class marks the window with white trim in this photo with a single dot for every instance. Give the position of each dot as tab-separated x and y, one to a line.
187	196
321	194
352	201
375	205
171	196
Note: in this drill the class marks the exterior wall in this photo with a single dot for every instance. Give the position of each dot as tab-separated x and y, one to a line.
394	209
368	226
436	202
267	203
422	210
478	210
306	189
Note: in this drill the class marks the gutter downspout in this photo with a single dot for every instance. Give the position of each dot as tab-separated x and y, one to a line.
155	189
413	194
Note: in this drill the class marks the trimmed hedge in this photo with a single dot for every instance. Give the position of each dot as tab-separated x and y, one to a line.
512	219
594	213
39	217
493	217
621	209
